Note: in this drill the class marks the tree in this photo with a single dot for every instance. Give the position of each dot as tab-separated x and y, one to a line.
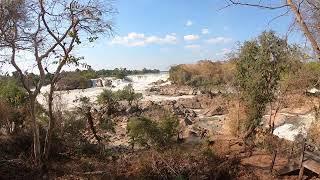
48	31
259	68
128	94
306	13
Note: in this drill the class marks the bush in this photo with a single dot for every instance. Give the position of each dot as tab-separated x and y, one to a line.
205	74
107	97
12	93
107	124
146	132
128	94
13	101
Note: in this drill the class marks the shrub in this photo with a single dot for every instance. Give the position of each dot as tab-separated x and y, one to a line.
13	101
107	97
12	93
107	124
110	98
146	132
128	94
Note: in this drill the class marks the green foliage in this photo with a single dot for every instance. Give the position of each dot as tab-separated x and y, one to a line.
107	124
89	74
72	125
106	97
12	93
259	68
120	74
311	72
123	72
146	132
168	127
78	79
128	94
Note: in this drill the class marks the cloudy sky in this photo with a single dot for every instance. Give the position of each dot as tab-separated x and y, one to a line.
160	33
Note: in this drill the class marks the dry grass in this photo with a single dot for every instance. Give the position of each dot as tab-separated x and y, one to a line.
314	133
236	117
204	73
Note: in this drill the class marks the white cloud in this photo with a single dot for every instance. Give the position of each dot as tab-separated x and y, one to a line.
192	46
219	40
139	39
189	23
190	37
205	31
134	35
223	52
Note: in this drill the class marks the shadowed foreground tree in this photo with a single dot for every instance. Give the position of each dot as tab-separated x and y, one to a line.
305	12
47	32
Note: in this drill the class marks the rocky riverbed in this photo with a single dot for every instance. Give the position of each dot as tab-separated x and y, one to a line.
201	114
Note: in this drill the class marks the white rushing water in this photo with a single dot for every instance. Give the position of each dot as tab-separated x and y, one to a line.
140	84
292	128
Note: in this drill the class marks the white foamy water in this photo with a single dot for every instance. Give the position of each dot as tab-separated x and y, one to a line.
140	84
289	130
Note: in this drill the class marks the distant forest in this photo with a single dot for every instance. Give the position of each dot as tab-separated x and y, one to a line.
78	75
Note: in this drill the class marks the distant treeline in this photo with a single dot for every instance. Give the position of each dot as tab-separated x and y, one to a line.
119	73
78	77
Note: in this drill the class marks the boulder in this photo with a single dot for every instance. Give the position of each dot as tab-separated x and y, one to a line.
191	103
96	83
159	82
188	121
214	111
107	83
72	82
133	109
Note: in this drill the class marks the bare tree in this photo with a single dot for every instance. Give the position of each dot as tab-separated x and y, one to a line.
306	14
50	31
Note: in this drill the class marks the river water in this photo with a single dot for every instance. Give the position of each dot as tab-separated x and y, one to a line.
140	84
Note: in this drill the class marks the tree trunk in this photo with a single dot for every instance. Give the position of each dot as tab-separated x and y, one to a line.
270	118
35	131
47	145
238	119
305	28
91	124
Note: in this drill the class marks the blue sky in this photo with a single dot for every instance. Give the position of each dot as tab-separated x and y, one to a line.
157	34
